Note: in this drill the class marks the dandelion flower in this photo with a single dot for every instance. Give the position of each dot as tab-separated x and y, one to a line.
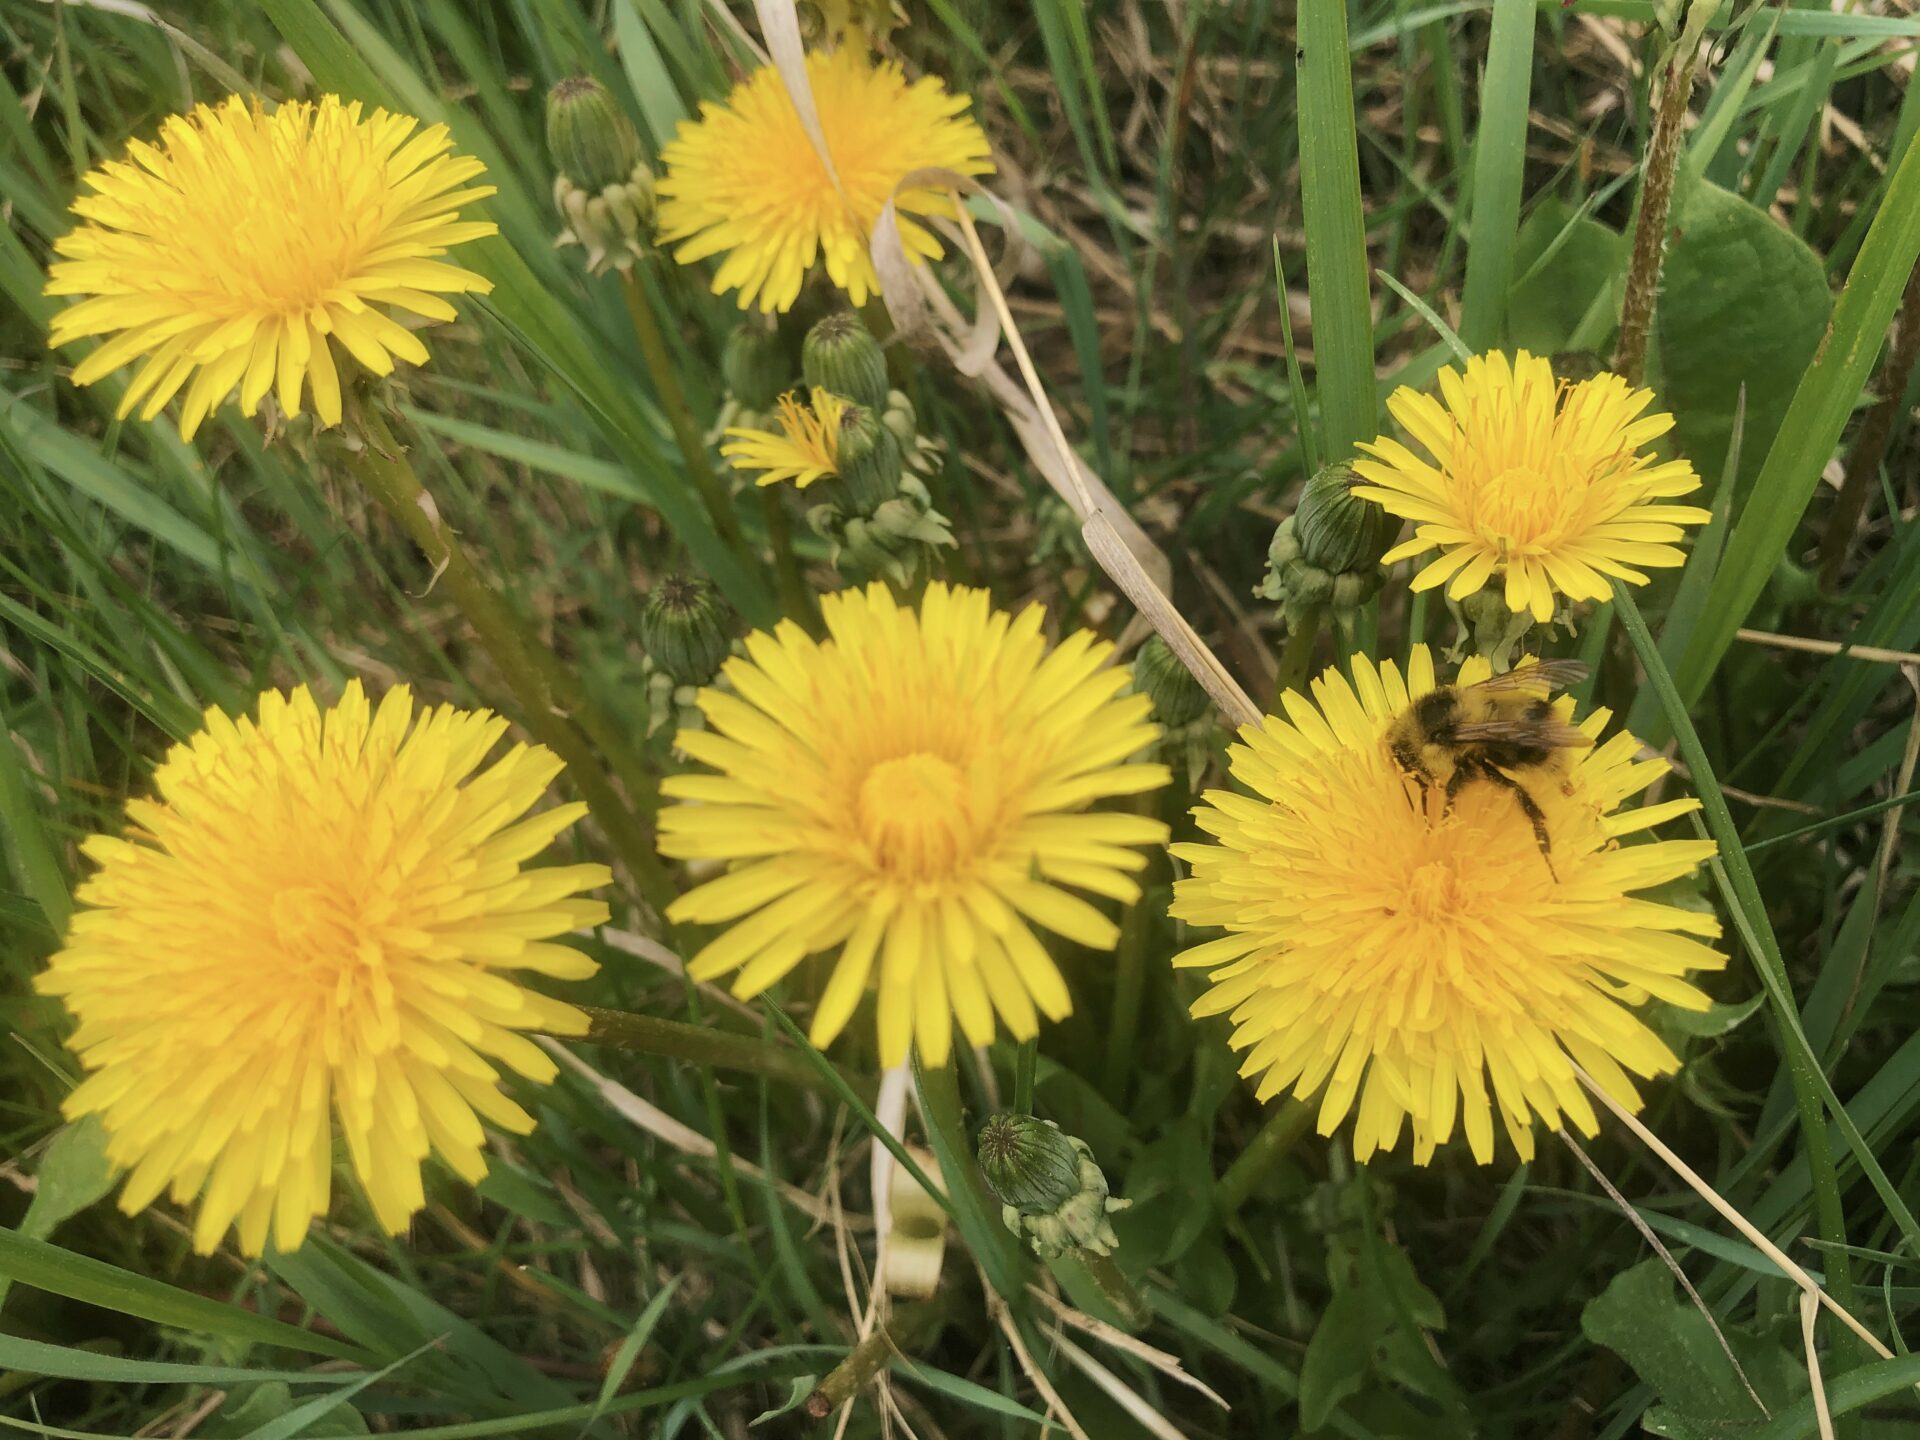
320	910
1399	956
806	449
242	247
745	180
912	792
1548	484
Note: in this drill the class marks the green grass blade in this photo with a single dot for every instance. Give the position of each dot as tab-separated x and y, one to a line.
79	1277
1337	265
1499	168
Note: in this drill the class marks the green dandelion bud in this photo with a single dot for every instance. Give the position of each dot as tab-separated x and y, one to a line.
1177	697
592	142
1050	1189
602	188
1337	530
870	460
757	365
839	355
687	629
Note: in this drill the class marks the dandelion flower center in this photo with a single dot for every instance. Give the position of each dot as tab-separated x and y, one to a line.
914	813
912	794
1404	957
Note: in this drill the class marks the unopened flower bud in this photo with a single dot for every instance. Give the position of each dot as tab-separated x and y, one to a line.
686	629
1050	1189
592	142
1177	697
869	459
1028	1164
1336	529
757	366
839	355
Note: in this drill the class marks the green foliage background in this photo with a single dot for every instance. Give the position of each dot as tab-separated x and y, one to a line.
1163	157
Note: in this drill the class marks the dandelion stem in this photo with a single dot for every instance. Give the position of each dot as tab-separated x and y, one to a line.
673	399
556	710
1284	1127
1117	1290
1296	658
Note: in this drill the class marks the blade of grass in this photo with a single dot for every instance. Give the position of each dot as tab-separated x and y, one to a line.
1499	168
1337	265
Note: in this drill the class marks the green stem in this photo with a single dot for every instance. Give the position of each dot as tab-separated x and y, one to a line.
555	708
677	1040
1117	1290
975	1212
1296	657
795	593
1283	1128
673	400
851	1375
1025	1060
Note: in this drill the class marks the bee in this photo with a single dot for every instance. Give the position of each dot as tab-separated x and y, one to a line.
1495	731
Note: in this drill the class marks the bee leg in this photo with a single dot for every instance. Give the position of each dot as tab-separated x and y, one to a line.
1529	807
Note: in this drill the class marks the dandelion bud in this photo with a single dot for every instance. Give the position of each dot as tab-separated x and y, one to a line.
592	143
686	629
1337	530
1050	1189
869	460
757	366
1177	697
602	188
839	355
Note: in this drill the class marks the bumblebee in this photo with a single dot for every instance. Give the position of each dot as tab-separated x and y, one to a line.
1495	731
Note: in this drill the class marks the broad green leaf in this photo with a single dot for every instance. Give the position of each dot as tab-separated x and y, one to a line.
1673	1349
1743	301
1562	260
1340	1355
73	1174
264	1404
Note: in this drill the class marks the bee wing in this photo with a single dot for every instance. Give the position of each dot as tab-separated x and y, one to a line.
1552	732
1547	675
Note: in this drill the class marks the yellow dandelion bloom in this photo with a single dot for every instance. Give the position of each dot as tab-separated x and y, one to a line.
1399	956
236	252
745	180
806	449
1549	485
912	792
321	910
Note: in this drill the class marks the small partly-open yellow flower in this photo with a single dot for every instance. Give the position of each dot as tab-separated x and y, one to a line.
745	180
1548	485
912	793
238	251
1396	954
806	449
321	912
